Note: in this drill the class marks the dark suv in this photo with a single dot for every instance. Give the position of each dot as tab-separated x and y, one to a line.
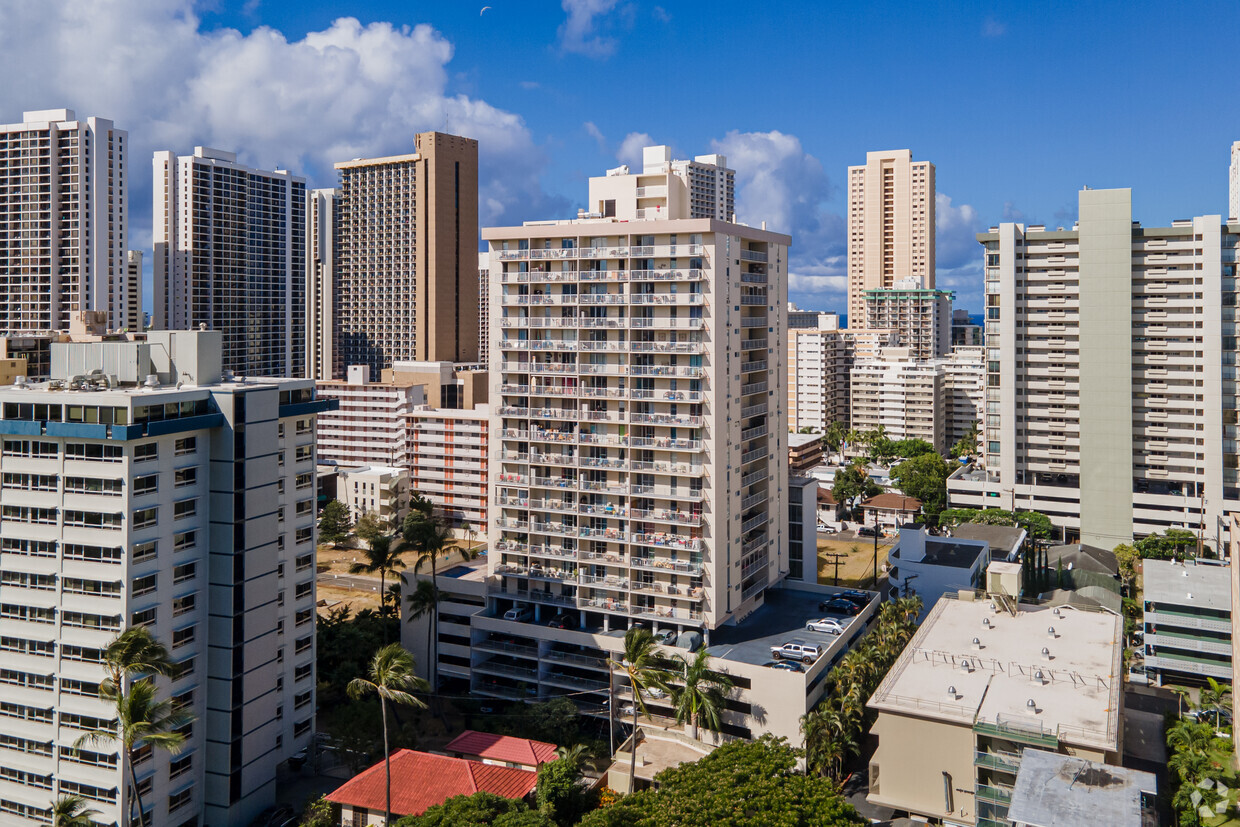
839	606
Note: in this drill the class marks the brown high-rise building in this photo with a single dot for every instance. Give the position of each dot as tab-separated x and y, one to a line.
406	257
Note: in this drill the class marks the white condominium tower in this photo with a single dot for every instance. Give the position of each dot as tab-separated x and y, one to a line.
63	222
230	254
139	488
406	267
1234	183
1110	392
639	468
890	226
701	188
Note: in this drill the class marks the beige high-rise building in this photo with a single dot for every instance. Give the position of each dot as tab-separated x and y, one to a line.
1234	188
900	393
64	223
820	363
890	226
406	277
484	307
1110	405
701	188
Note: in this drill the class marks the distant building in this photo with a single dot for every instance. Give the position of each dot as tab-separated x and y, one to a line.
406	277
1234	188
1187	621
802	528
920	316
132	290
964	395
820	362
64	225
804	452
891	216
984	681
964	332
902	394
930	566
701	188
484	307
374	489
230	255
799	319
501	750
889	511
321	216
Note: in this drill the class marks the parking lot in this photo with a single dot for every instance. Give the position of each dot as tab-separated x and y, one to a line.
781	620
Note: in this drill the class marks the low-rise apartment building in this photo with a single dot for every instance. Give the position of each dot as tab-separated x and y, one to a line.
981	681
1187	621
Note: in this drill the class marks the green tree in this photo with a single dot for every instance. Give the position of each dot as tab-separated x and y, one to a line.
559	792
142	720
334	523
72	811
1172	544
380	557
852	482
555	721
909	448
1127	557
966	446
741	783
1216	696
420	603
318	813
924	477
478	810
646	669
390	677
833	439
700	692
135	652
369	527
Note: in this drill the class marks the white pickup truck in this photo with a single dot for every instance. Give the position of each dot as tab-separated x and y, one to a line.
804	652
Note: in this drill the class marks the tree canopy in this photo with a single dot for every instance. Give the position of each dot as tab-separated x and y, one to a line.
1174	543
334	523
478	810
741	783
924	477
851	481
1036	523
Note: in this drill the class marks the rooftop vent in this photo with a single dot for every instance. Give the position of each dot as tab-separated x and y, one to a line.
977	643
1039	677
1031	707
965	665
986	622
951	692
152	381
1057	613
1050	632
19	382
1046	653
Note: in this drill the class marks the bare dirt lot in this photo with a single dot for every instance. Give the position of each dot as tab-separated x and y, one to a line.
856	567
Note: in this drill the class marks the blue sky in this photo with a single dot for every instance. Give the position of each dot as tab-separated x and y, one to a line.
1018	105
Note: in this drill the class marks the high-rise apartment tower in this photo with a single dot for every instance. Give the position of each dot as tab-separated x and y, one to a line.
63	222
230	254
134	320
890	226
406	278
320	282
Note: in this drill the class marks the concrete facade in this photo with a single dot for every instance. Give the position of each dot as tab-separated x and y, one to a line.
902	394
406	278
665	188
134	320
891	213
230	254
1109	406
1188	618
182	503
320	282
921	317
68	176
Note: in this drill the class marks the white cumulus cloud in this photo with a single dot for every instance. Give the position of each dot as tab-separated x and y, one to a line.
579	33
350	90
958	256
780	183
630	151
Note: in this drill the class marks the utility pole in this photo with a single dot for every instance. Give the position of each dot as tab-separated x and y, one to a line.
876	532
837	558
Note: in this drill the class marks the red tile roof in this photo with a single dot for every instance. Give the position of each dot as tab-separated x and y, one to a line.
421	780
504	748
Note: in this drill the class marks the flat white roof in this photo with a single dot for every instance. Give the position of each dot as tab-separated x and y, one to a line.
1076	692
1056	790
1187	584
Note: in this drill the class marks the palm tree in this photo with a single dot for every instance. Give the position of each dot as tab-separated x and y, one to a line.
699	697
422	602
430	538
72	811
134	651
834	438
380	556
1216	696
141	721
391	678
646	669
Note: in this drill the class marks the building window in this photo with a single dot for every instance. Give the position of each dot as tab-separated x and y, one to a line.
142	551
188	445
144	585
184	541
145	617
184	604
183	637
184	477
184	508
183	572
145	517
146	485
145	452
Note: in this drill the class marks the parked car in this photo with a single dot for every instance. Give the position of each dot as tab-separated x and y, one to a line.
839	606
1137	674
867	531
861	598
785	665
1217	718
797	650
826	624
562	621
666	636
520	614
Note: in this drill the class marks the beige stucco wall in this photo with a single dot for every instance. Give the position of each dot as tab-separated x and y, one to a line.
906	771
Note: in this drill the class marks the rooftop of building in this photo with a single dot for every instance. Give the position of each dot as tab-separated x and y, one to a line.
1003	540
1079	556
781	619
1056	790
946	552
1200	585
506	748
893	502
797	442
421	780
555	228
1018	674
